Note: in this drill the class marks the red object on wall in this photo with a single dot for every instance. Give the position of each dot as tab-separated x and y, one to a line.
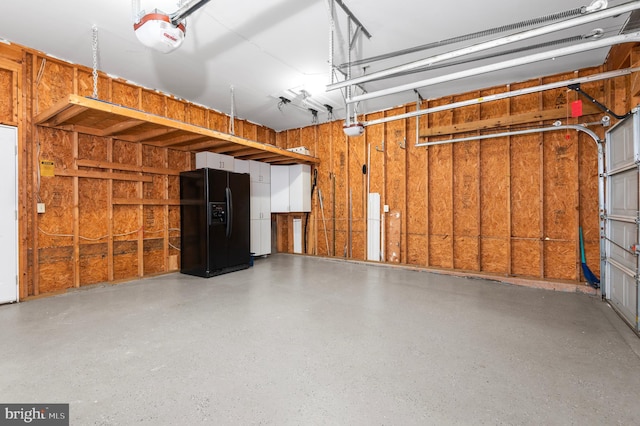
576	109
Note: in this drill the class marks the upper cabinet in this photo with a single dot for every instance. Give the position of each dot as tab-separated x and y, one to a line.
291	188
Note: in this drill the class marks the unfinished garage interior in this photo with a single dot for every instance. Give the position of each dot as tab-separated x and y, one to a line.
438	221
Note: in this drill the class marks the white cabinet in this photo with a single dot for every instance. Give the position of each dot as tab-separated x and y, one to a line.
213	160
291	188
260	172
260	207
241	166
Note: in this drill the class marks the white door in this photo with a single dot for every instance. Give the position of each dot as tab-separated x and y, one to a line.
8	215
622	233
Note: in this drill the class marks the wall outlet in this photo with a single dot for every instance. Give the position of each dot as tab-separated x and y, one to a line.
40	207
386	208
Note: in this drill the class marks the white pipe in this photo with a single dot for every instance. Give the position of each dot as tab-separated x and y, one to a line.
513	38
505	95
591	45
517	132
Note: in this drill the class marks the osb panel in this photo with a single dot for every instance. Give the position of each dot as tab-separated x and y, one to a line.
92	147
57	195
393	238
56	276
525	257
525	103
178	160
56	146
440	251
440	187
85	85
125	94
125	221
466	180
417	249
197	115
396	178
494	109
176	110
125	152
375	145
153	103
357	188
265	135
154	261
125	266
156	188
358	245
308	139
218	121
153	156
588	200
250	131
560	186
466	253
93	263
293	138
56	83
340	172
281	140
282	224
466	114
495	187
442	118
493	255
525	187
238	127
7	96
560	260
342	249
92	207
417	172
324	186
153	221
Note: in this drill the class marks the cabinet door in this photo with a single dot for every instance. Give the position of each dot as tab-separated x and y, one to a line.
256	200
265	236
265	172
265	201
300	188
241	166
279	189
256	235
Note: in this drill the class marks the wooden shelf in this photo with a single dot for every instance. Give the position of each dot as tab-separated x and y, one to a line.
99	118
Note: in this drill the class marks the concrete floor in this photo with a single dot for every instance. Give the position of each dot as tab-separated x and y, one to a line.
303	341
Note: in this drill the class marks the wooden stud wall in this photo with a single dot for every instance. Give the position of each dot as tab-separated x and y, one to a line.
112	209
508	206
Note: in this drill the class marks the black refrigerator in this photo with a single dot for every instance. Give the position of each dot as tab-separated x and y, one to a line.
215	224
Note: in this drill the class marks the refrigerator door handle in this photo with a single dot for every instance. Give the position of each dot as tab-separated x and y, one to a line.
229	212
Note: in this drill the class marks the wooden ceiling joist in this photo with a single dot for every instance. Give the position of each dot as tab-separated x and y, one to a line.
94	117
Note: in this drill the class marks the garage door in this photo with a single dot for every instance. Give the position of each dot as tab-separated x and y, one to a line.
622	157
8	216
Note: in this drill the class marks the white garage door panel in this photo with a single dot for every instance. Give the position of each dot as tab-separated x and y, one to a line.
624	193
622	203
623	292
621	152
621	236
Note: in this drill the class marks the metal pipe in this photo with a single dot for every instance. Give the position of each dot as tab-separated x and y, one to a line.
591	45
505	95
518	132
499	96
524	35
186	10
479	34
353	17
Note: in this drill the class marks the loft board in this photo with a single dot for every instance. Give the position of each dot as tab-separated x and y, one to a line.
99	118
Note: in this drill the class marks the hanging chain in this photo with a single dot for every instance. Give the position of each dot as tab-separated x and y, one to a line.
94	46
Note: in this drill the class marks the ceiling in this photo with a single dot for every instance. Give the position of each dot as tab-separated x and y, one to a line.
264	48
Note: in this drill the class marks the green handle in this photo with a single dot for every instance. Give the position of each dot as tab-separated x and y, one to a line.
582	247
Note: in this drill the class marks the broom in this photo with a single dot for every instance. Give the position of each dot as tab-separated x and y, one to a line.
590	276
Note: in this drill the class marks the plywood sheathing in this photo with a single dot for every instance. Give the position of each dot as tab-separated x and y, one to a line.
97	226
508	206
